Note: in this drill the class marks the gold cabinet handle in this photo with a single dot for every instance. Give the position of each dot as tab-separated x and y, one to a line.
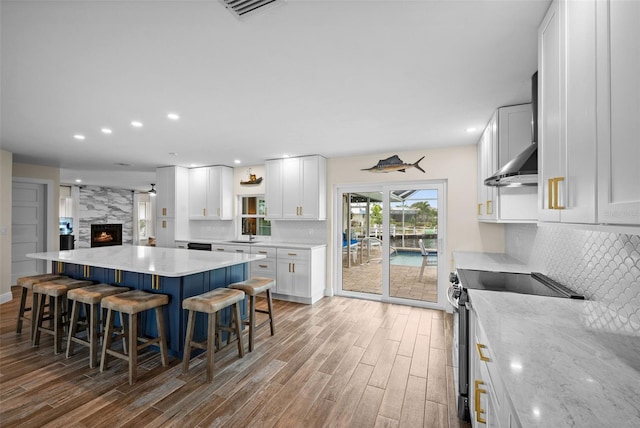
550	192
556	185
155	282
164	224
293	267
479	209
60	267
164	211
480	347
489	209
263	266
300	210
479	410
204	212
86	271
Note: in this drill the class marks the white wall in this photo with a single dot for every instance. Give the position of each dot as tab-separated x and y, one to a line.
6	159
457	165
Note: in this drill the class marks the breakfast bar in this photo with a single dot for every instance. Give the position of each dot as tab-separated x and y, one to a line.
178	273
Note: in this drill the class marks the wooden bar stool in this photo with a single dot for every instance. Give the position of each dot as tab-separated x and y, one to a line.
132	303
91	297
211	303
26	282
56	289
253	287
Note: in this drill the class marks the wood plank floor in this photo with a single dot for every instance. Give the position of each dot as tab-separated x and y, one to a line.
339	363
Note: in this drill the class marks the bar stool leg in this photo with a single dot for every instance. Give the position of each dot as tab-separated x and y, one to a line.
73	328
211	344
238	325
38	318
133	348
93	336
164	353
252	320
270	306
106	340
23	304
187	342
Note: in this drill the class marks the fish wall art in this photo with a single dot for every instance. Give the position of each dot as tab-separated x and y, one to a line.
394	163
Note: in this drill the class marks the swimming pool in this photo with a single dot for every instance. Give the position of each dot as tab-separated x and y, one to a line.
411	258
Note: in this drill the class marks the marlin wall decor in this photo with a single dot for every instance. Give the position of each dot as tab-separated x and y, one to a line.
394	163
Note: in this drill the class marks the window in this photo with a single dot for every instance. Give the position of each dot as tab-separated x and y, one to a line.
252	213
144	213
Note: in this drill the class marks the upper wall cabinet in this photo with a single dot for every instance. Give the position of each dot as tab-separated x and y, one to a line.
567	113
171	205
618	53
211	193
296	188
506	135
589	95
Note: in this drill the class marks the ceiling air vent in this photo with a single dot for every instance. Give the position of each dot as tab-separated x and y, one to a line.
244	8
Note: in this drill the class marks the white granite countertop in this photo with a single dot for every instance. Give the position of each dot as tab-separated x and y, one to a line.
564	363
171	262
496	262
274	244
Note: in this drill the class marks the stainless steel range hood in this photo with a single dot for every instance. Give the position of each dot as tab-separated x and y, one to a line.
523	169
519	171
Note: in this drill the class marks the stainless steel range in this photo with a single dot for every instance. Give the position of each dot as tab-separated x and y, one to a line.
464	279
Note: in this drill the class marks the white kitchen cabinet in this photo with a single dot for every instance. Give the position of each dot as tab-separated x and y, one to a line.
489	403
506	135
618	111
567	113
171	205
267	267
211	193
302	193
66	207
301	275
273	171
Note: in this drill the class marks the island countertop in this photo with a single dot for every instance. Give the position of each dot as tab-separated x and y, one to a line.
170	262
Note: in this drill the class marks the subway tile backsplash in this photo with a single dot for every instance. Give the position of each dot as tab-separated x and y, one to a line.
603	266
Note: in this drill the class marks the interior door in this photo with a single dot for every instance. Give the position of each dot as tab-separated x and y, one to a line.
27	228
390	243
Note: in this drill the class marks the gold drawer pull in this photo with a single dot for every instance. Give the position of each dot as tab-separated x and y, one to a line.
556	191
479	410
489	209
479	209
480	347
550	192
263	266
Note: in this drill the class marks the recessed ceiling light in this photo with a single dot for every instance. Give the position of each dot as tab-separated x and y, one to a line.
136	124
78	180
193	165
106	131
285	156
470	129
237	161
79	137
173	116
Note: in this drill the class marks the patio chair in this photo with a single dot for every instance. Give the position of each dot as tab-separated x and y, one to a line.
425	260
352	249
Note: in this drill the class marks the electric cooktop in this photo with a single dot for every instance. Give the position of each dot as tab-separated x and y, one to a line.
523	283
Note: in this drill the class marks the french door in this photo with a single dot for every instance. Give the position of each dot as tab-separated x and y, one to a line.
390	243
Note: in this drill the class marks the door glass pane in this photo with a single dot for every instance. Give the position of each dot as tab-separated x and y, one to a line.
413	239
362	215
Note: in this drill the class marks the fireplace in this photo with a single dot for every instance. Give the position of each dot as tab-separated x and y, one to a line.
104	235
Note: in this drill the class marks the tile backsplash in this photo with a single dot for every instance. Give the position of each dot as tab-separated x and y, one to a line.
603	266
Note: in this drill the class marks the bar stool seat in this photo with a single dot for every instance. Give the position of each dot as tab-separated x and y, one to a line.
211	303
91	297
132	303
26	282
253	287
56	289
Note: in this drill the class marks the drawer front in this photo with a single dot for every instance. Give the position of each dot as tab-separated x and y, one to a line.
230	248
264	267
488	364
270	252
293	254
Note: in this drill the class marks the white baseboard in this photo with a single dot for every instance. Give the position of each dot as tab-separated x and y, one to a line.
6	297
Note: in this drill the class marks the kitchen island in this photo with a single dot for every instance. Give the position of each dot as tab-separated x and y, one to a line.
175	272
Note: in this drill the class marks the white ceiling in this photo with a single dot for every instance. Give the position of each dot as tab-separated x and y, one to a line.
336	78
